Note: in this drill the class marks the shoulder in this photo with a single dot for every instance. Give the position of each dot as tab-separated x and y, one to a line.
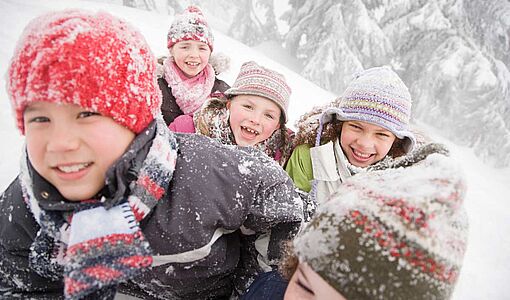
246	161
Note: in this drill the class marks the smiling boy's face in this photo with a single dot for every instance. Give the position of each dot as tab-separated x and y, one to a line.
73	147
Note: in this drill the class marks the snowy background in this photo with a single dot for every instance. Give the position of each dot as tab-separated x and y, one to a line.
454	56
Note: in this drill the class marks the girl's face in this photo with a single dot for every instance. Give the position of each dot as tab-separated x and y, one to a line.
306	284
72	147
191	56
253	119
365	144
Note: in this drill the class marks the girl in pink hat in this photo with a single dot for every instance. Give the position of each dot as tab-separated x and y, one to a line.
188	76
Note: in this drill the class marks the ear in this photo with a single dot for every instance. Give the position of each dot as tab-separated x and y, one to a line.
228	104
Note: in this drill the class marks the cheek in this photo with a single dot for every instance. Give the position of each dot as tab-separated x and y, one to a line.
204	57
35	150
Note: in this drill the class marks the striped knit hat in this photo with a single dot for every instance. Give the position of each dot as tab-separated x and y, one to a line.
380	97
257	80
190	25
90	59
391	234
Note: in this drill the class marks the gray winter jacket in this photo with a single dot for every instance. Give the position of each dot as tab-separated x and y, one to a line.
202	233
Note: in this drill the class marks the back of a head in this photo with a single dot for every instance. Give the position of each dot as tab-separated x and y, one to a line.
391	234
94	60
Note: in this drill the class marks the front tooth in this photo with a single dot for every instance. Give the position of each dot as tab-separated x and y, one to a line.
362	154
73	168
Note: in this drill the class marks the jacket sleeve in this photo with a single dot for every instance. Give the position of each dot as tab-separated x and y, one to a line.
18	229
299	168
278	209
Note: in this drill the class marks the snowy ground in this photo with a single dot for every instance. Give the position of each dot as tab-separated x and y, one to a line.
487	262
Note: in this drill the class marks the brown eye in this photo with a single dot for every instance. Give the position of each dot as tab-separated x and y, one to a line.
86	114
38	119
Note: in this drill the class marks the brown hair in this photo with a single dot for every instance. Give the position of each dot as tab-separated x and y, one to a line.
289	262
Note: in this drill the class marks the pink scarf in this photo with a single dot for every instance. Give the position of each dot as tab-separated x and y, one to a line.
189	93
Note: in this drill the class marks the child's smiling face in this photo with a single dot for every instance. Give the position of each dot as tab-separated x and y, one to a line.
253	119
365	144
72	147
191	56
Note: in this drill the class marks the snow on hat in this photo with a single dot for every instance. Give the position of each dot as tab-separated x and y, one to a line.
93	60
378	96
257	80
391	234
190	25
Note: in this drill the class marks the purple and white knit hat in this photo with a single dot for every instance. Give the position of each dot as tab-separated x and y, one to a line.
190	25
377	96
257	80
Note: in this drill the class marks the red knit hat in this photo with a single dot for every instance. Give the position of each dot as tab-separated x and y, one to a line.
190	25
91	59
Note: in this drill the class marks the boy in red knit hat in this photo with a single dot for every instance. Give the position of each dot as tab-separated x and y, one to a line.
106	192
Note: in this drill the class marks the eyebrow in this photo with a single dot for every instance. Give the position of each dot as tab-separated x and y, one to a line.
302	284
31	108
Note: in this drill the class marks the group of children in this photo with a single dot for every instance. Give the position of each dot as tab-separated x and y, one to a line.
131	183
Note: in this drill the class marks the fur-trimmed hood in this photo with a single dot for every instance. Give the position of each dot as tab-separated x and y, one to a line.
212	120
308	126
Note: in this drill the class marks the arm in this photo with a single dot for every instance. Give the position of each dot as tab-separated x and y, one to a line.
299	167
18	229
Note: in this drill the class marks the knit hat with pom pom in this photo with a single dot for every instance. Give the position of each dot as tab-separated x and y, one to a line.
90	59
190	25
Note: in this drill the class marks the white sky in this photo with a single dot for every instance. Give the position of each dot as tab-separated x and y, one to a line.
486	269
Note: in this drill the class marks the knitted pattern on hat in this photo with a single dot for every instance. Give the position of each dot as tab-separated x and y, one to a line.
391	234
257	80
93	60
190	26
212	120
380	97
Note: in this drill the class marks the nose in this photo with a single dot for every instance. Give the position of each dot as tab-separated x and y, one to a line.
194	52
365	141
255	117
63	139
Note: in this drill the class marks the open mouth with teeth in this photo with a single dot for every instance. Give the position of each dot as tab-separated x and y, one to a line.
361	155
192	64
250	131
72	168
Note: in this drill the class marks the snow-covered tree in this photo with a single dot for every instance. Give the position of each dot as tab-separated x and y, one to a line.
454	55
333	40
254	22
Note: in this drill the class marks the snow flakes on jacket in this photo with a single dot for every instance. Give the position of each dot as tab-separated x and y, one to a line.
201	233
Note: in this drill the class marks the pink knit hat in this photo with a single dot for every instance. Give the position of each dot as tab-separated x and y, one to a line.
257	80
94	60
190	25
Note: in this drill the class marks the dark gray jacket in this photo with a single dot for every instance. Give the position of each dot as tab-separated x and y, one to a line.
202	233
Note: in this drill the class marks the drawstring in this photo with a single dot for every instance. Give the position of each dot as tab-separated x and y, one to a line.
313	191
